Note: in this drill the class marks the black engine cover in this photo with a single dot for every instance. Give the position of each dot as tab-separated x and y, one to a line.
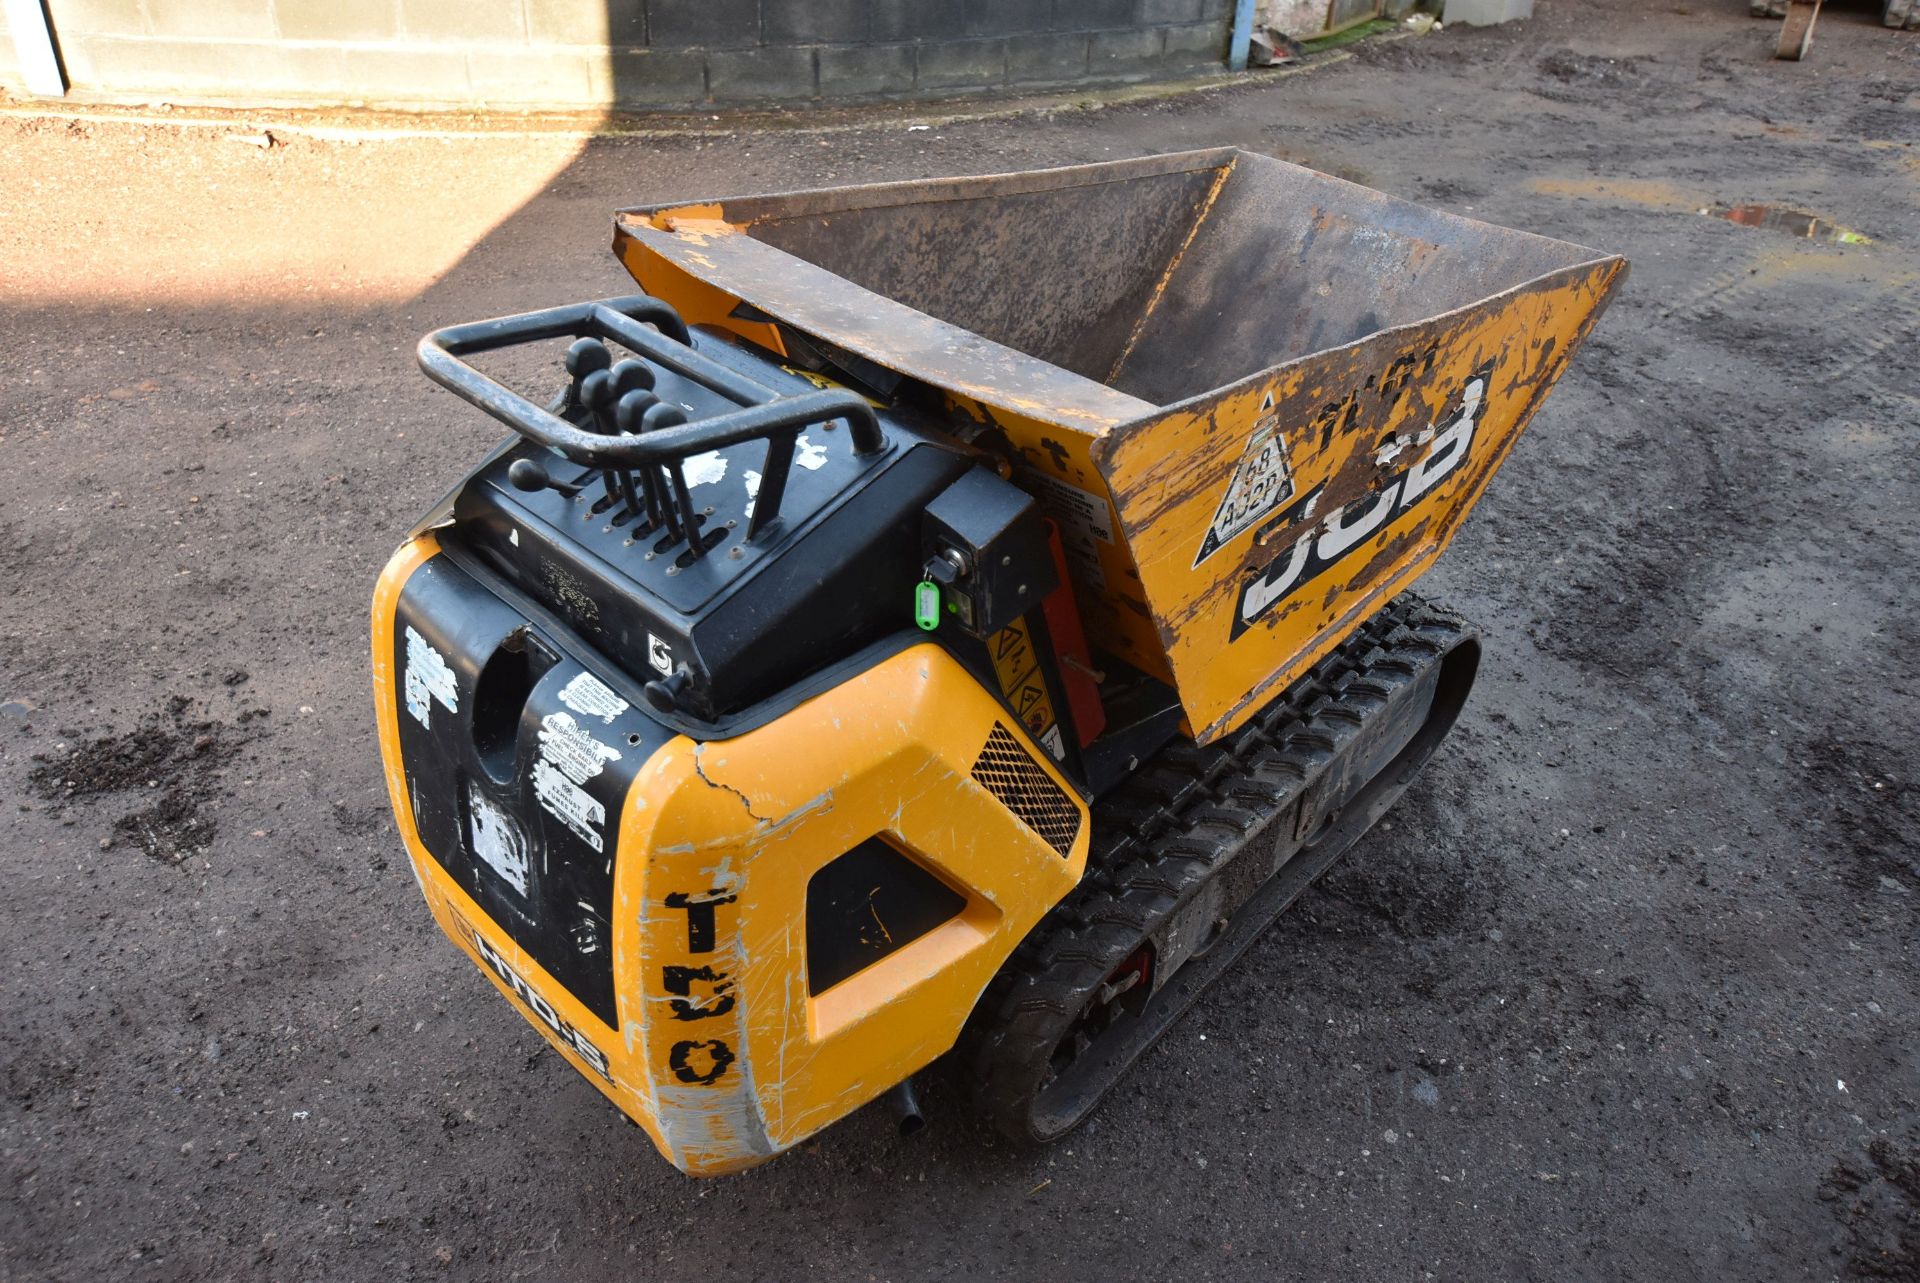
748	618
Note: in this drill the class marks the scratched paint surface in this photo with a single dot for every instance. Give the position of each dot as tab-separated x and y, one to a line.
1353	420
710	932
820	302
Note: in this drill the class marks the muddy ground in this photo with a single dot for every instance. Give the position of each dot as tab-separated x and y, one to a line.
1625	988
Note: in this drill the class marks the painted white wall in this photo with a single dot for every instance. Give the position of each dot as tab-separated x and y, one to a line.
1484	13
35	64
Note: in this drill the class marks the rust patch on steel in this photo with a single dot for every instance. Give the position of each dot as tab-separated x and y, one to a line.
1173	264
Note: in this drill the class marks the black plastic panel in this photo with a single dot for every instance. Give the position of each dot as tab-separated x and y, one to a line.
517	762
866	904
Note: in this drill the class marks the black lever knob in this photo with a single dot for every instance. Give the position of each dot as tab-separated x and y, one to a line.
596	391
530	475
633	405
662	415
630	376
587	356
663	695
627	417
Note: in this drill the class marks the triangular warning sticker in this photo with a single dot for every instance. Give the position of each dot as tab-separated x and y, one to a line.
1262	481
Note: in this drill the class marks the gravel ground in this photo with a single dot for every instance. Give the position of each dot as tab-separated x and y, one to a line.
1625	988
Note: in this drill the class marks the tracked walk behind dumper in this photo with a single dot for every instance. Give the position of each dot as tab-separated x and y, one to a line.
945	618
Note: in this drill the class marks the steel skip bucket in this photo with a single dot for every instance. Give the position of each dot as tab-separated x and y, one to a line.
1257	400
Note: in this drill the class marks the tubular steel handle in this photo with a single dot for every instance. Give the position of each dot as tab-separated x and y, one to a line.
764	413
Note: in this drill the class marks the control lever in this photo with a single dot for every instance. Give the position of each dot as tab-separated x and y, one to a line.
584	357
662	415
641	412
627	377
531	475
629	416
680	511
630	375
596	393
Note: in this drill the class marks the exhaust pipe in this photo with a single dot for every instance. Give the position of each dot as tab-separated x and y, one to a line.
903	1103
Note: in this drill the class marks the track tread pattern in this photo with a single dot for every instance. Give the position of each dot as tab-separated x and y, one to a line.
1161	834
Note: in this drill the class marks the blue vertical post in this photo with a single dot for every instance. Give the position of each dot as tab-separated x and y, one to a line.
1242	35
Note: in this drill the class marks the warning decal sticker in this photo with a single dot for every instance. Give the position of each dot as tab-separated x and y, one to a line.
1262	481
578	754
588	696
1085	521
497	839
427	679
1018	667
569	757
567	802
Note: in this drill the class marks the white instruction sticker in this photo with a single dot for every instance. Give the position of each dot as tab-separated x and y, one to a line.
704	469
427	678
497	841
588	696
577	755
1085	521
567	802
1069	505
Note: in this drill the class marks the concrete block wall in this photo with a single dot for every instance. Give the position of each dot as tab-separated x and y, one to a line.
641	54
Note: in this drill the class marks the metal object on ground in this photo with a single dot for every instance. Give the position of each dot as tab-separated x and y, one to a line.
903	1104
983	586
1796	33
1792	222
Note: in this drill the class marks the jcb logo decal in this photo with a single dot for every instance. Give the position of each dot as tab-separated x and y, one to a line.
1351	524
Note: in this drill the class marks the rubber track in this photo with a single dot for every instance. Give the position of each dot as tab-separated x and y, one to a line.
1162	833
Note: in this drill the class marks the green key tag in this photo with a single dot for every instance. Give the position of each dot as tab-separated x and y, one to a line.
926	604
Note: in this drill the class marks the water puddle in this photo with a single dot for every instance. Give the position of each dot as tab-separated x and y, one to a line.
1794	222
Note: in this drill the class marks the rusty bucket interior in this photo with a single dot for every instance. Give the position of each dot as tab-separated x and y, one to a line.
1134	333
1160	279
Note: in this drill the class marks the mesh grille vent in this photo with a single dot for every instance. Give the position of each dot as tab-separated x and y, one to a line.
1007	771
